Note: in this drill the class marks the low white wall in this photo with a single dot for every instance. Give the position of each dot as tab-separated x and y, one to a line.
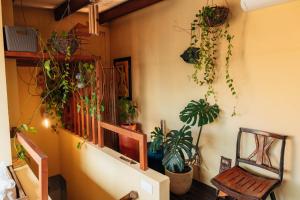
93	173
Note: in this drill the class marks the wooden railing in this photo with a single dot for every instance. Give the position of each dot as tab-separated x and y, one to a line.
88	126
41	159
140	137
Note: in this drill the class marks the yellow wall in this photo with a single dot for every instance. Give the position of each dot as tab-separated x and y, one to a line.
94	174
43	20
265	66
90	173
5	152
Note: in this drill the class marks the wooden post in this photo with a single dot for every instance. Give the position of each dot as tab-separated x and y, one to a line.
87	115
74	114
93	121
99	97
140	137
100	135
82	112
43	178
41	159
143	152
78	117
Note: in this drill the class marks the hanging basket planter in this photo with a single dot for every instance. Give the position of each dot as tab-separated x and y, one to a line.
64	43
191	55
216	15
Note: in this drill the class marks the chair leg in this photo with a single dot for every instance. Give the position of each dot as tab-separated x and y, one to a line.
272	195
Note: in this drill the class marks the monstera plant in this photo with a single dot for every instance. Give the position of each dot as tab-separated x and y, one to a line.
177	150
199	113
178	146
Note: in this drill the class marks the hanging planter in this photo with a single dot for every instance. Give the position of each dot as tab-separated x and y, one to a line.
215	15
65	43
208	29
191	55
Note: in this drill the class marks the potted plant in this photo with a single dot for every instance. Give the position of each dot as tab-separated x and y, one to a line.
64	43
199	113
180	154
177	154
155	152
127	115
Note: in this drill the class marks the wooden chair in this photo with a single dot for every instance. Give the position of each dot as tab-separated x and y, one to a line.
241	184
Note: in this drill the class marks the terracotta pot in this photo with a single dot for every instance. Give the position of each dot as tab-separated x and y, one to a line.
129	147
180	183
132	127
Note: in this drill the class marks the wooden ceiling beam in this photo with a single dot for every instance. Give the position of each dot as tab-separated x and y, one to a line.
61	11
124	9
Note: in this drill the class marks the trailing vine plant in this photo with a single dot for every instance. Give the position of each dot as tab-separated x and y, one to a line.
60	80
207	30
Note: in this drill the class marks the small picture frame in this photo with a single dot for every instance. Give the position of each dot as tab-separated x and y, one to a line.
225	164
123	77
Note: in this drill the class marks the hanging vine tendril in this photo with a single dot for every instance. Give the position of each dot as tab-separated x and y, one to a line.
207	30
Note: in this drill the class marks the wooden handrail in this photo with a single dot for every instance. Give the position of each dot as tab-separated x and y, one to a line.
41	159
140	137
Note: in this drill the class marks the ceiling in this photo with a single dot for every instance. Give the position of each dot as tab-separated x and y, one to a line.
51	4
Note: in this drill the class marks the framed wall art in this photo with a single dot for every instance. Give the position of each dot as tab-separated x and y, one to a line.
123	77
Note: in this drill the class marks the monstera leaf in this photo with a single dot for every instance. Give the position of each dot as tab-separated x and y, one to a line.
178	145
199	112
157	137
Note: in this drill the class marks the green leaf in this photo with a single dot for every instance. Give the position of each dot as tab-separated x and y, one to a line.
78	107
157	139
177	147
47	66
78	146
32	129
23	127
199	113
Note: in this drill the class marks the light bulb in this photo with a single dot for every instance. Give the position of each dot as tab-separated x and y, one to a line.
46	123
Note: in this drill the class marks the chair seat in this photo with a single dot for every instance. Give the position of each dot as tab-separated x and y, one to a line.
241	184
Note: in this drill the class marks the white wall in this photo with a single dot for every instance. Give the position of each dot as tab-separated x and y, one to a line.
92	173
5	149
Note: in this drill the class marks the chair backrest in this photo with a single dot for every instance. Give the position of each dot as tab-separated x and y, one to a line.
260	156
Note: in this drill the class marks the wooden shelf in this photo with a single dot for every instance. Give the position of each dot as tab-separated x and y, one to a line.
32	58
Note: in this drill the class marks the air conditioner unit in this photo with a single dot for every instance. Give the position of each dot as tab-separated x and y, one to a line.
20	38
248	5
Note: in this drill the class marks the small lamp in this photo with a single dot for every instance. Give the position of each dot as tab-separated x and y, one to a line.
46	122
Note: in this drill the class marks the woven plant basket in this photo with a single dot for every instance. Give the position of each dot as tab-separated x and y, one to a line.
217	16
60	44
